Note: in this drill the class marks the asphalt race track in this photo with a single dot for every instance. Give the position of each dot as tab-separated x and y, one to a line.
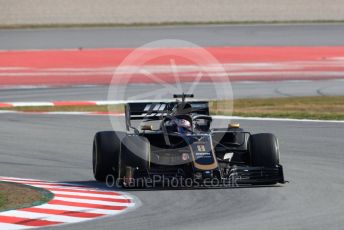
222	35
59	148
240	90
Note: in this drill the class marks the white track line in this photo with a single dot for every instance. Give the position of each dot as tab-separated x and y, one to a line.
88	201
276	119
88	195
42	216
21	104
215	117
4	226
80	209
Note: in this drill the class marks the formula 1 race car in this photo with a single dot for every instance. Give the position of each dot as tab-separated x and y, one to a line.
184	146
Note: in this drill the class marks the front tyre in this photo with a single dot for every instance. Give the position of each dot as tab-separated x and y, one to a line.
106	151
264	150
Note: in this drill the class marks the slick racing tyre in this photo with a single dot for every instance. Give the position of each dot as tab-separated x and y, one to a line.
264	150
106	152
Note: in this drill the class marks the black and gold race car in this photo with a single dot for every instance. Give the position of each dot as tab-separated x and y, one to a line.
175	145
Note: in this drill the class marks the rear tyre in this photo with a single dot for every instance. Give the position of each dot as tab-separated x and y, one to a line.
106	152
264	150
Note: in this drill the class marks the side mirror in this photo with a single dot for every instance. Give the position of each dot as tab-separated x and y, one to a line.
146	127
233	125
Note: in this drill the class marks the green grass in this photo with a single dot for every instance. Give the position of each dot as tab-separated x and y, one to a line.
2	201
317	107
14	196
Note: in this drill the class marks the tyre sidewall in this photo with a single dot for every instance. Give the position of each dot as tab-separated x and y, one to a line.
106	151
264	150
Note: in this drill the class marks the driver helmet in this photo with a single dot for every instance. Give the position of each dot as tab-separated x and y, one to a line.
183	125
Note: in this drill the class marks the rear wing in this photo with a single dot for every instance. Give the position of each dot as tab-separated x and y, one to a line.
158	110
